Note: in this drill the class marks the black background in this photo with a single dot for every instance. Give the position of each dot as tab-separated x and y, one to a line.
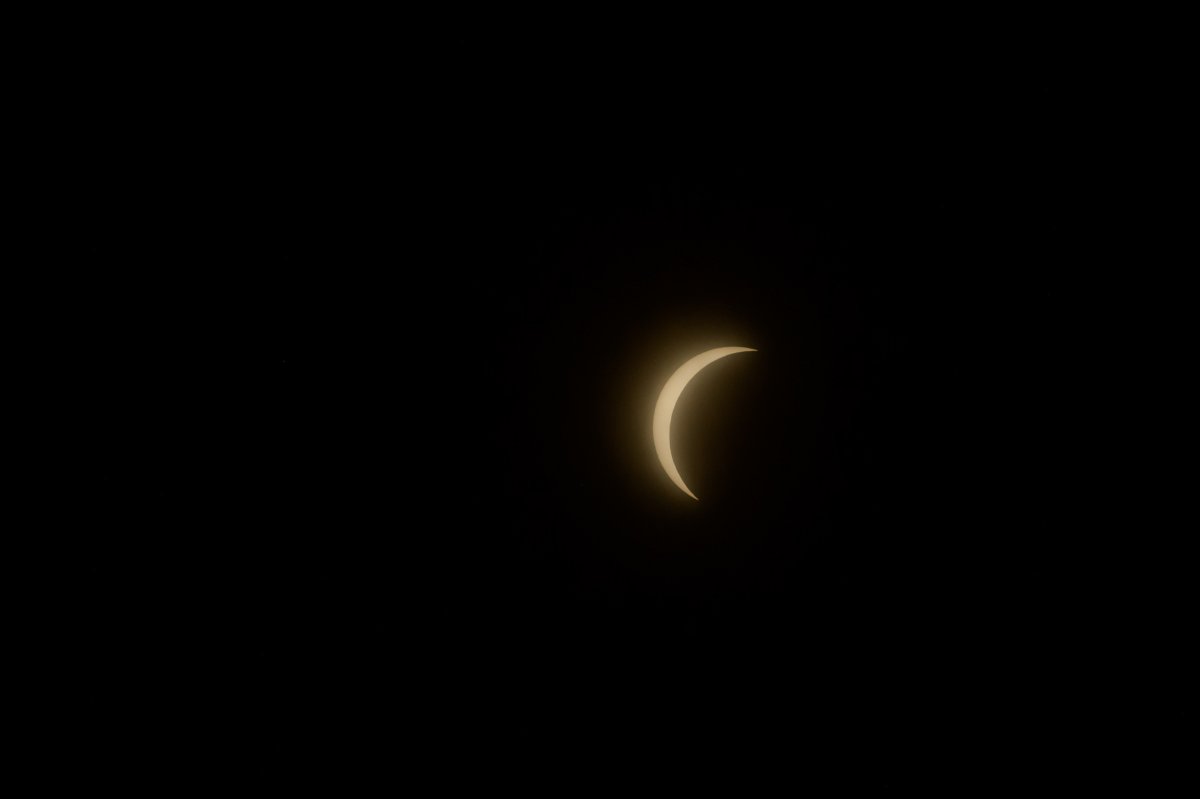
420	521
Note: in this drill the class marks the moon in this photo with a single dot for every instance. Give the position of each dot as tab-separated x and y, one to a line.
666	408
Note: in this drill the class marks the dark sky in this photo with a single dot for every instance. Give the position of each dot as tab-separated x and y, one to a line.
433	331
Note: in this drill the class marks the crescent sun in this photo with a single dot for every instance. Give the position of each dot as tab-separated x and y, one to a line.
666	408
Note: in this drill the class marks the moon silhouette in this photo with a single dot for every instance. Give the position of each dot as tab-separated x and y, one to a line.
666	408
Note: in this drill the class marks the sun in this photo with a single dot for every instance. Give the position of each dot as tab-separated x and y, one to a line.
665	408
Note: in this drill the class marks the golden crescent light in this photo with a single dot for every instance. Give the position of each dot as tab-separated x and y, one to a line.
666	408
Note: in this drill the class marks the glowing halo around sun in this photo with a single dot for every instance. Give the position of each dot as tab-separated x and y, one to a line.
665	408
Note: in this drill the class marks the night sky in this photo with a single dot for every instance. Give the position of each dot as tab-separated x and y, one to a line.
429	527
